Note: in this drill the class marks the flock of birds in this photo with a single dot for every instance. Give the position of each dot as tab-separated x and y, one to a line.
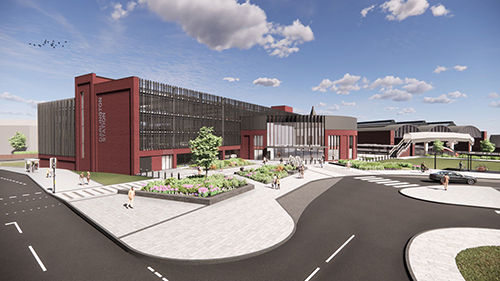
53	44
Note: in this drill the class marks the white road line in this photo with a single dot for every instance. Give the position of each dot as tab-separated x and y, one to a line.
164	279
406	185
498	212
398	183
37	259
1	198
341	247
377	180
17	226
367	177
151	269
386	182
158	274
26	195
312	274
12	197
38	192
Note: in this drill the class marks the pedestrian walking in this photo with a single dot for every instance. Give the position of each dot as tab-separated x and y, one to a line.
88	177
446	181
278	183
312	158
131	196
199	170
82	177
460	166
273	184
48	173
348	164
301	172
264	160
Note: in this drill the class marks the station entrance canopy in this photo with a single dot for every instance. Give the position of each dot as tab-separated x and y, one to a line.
432	136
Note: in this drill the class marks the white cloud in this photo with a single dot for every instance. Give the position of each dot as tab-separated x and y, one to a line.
348	103
325	84
406	111
495	104
334	107
225	24
387	82
439	10
231	79
460	67
119	12
299	111
365	11
401	9
321	104
394	94
440	69
441	99
414	86
457	94
10	97
342	86
12	112
267	82
391	108
493	95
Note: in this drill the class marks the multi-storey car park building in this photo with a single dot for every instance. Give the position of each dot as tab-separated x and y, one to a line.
132	124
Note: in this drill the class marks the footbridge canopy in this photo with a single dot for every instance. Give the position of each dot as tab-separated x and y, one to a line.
442	136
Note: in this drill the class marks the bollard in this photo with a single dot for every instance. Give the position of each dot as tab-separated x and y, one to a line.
179	175
172	175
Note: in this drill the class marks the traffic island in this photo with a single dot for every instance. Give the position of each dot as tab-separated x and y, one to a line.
210	200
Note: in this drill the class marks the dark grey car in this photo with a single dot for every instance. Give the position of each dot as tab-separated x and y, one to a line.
454	177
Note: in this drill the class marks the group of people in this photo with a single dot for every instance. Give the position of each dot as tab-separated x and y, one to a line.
84	177
276	184
31	166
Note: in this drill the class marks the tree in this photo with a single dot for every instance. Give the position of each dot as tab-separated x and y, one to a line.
205	148
18	141
487	146
438	146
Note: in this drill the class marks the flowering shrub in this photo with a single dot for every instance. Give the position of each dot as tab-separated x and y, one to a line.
265	173
363	165
196	186
228	163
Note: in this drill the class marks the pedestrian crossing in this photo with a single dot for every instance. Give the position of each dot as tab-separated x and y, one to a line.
94	192
387	182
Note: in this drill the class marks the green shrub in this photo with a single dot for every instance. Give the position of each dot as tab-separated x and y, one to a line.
25	152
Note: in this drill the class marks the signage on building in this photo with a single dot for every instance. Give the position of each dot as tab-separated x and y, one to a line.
102	121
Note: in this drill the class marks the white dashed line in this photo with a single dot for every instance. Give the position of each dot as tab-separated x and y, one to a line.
37	258
386	182
398	183
38	192
406	185
12	197
312	274
26	195
151	269
378	180
158	274
164	279
498	212
341	247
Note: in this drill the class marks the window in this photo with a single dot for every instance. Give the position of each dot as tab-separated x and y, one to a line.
82	116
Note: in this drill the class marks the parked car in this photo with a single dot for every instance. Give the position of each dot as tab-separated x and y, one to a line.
454	177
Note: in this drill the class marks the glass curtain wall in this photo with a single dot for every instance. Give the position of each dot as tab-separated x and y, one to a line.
170	116
299	135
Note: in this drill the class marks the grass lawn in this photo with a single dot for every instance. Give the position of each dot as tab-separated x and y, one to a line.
13	164
448	163
482	263
109	178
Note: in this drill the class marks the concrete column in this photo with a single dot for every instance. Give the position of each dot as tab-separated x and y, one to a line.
452	146
426	147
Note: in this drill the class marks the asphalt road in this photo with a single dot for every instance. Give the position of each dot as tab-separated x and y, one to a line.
68	247
381	220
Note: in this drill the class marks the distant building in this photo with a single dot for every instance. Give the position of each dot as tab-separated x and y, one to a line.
9	128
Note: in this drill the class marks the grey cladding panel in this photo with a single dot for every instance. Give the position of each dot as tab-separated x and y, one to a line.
341	123
254	122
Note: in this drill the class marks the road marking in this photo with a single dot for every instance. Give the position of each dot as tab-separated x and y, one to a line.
12	197
95	190
374	178
151	269
38	192
398	183
378	180
164	279
386	182
312	274
158	274
406	185
26	195
88	192
1	198
74	192
17	226
67	195
37	259
341	247
367	177
498	212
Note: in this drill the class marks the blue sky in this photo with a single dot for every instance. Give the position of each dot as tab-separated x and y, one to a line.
396	59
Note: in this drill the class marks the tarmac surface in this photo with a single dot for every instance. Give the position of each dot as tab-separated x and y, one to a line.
256	222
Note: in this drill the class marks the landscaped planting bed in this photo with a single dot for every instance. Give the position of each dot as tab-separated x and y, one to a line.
266	173
228	163
363	165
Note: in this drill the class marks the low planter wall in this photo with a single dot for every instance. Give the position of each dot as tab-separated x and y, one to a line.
18	156
192	199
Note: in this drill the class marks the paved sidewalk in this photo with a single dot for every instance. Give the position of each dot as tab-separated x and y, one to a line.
247	224
431	255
